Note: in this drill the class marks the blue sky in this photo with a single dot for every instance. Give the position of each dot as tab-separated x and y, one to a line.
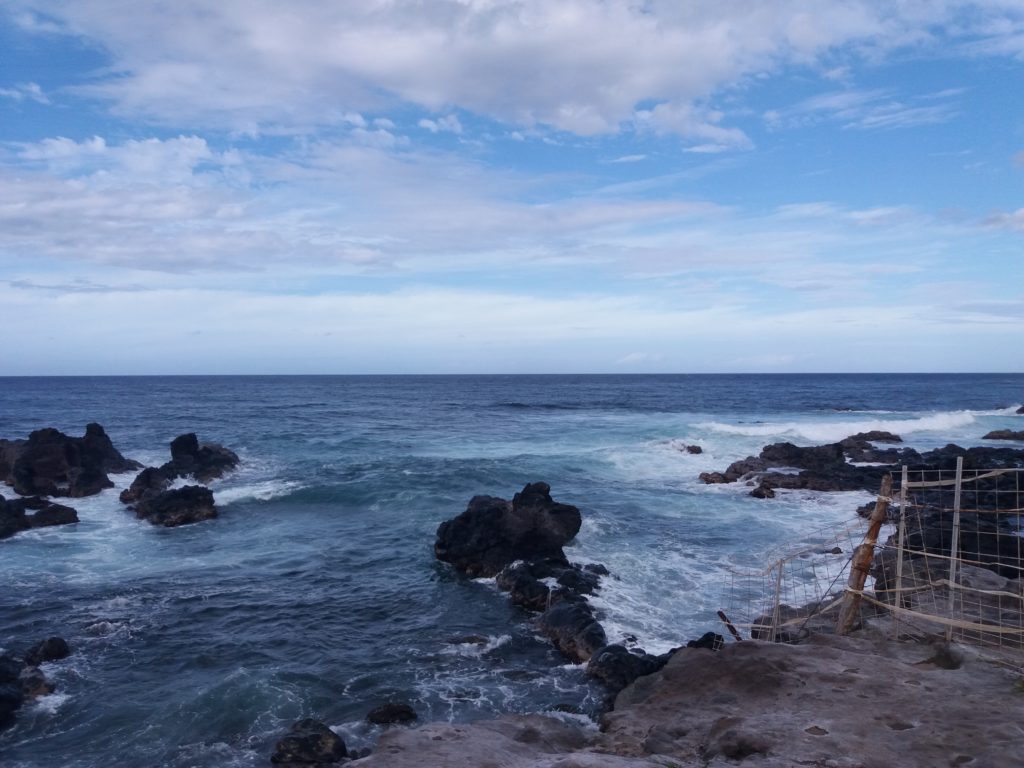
490	186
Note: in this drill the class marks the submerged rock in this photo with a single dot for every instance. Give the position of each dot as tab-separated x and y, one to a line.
11	693
617	667
391	713
1004	434
572	627
50	649
21	680
493	533
50	463
309	742
14	516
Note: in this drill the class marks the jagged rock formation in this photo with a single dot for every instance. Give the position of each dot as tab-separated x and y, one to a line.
829	468
493	533
152	498
50	463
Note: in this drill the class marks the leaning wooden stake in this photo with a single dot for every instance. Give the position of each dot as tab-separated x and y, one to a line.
861	563
730	626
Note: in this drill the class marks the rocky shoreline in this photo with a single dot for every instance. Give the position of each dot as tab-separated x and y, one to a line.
50	463
817	699
708	702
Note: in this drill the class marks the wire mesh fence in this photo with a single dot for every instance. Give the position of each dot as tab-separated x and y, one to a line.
949	561
954	566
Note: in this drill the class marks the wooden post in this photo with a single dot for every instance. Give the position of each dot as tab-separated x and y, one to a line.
731	627
861	562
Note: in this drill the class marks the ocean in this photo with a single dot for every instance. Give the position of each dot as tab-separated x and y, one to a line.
316	592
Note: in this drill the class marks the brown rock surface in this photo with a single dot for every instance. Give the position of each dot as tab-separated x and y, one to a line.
854	702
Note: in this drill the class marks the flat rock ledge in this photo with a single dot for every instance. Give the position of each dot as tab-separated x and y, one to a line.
834	702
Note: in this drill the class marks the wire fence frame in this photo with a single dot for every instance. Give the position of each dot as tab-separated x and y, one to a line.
955	567
948	564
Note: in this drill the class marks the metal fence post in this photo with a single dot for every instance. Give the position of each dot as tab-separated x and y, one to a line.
954	546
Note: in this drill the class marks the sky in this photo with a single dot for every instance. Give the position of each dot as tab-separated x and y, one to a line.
499	186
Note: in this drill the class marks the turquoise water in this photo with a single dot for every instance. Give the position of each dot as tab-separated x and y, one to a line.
316	593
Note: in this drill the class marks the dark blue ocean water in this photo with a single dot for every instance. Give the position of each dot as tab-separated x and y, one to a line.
316	593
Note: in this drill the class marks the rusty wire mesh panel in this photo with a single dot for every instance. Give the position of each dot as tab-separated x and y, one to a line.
954	566
949	563
798	590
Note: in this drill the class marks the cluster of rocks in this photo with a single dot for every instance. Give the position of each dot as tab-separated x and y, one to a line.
22	681
853	464
51	463
151	497
520	543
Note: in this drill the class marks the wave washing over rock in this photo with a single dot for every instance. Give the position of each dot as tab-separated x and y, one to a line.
315	595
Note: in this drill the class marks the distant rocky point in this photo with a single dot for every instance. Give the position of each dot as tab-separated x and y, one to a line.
852	464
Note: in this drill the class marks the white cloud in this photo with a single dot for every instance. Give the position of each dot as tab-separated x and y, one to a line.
446	124
25	91
866	110
581	66
202	329
1014	220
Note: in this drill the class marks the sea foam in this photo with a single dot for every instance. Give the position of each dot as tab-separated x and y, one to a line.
833	430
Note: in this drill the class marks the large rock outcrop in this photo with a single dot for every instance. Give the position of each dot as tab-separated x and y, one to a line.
493	533
190	460
151	497
50	463
520	542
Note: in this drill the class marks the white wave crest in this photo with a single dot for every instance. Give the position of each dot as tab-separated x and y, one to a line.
50	703
832	430
260	491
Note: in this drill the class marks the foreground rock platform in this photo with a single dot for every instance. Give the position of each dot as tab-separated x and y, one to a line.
835	702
